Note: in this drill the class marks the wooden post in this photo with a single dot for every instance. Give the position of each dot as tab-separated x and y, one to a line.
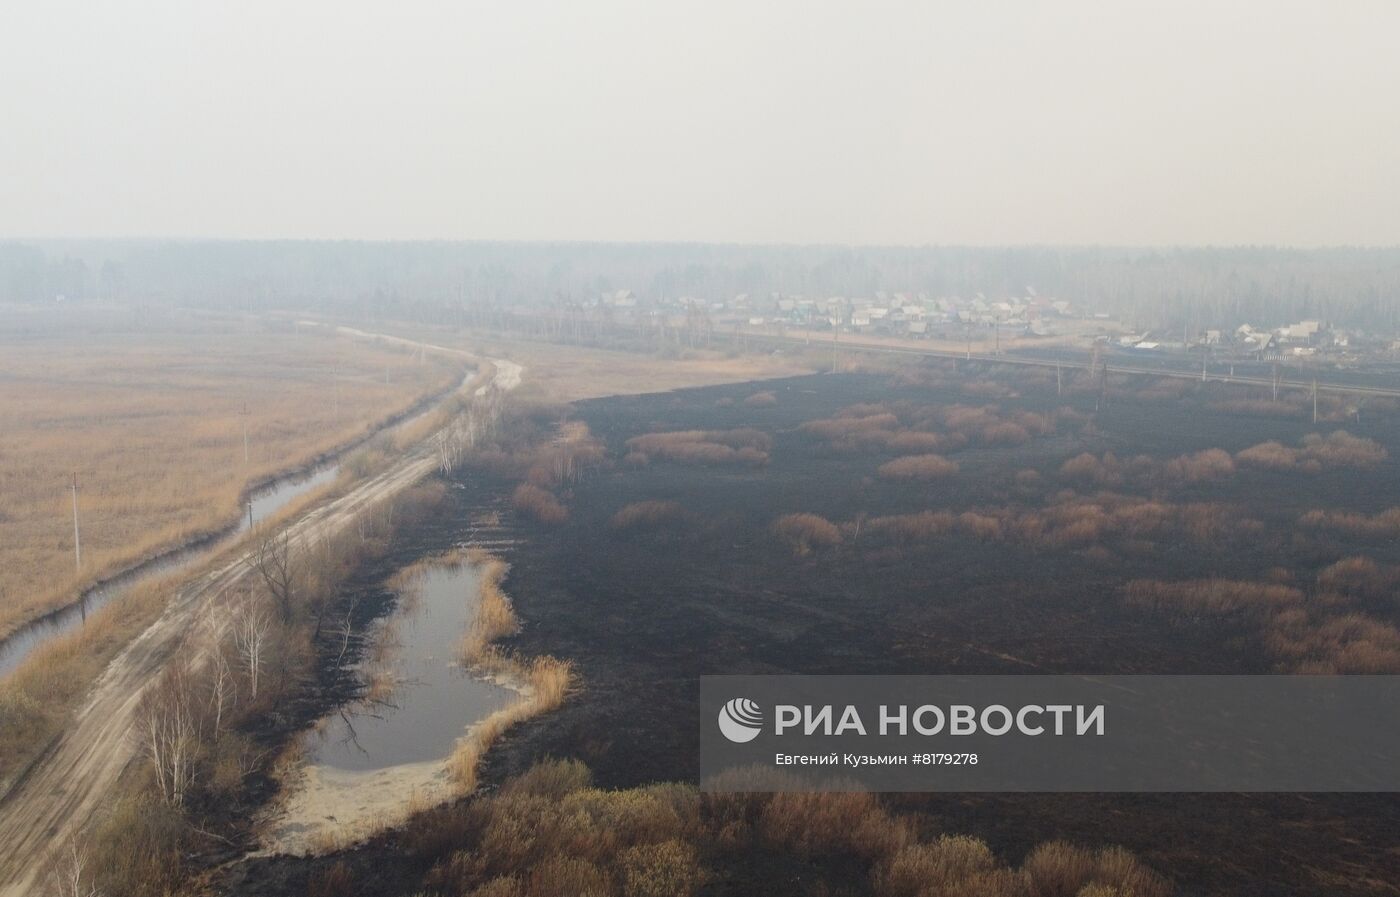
77	536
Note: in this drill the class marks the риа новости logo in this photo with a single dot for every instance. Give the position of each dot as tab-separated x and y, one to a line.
740	720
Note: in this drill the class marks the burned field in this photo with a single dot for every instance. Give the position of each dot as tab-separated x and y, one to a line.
985	521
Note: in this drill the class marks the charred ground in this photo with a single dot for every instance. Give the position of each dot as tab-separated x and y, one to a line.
644	610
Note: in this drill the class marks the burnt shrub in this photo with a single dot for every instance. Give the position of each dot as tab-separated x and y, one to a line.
804	532
918	467
646	513
541	504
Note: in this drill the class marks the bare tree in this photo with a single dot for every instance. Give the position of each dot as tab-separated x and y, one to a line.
273	561
71	878
223	687
169	728
251	627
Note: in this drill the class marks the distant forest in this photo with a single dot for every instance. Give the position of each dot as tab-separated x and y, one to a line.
1179	287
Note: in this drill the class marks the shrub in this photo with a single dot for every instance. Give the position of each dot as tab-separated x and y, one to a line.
704	447
937	868
1385	524
806	531
918	467
814	823
840	427
1341	449
646	513
1338	449
539	503
1268	455
1211	464
1088	469
764	399
667	869
1058	869
1220	596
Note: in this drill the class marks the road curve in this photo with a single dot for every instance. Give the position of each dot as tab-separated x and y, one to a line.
62	793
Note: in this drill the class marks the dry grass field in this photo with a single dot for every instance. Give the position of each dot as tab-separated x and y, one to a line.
569	373
148	410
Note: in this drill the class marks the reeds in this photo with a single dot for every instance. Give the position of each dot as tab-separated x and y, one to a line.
702	447
542	681
805	532
152	423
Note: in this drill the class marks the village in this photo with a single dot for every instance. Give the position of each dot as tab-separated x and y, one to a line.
1026	321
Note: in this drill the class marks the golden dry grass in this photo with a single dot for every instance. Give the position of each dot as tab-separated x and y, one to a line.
36	699
543	681
569	373
148	413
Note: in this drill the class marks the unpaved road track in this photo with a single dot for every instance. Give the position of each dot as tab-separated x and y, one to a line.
74	779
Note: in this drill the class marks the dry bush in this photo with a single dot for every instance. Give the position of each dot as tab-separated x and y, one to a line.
840	427
938	868
551	829
666	869
1217	596
1270	456
1058	869
1360	576
765	399
1201	467
139	849
646	513
918	467
1348	644
553	779
814	823
1338	449
803	532
538	503
1382	525
921	527
926	428
1071	521
1341	449
704	447
1088	469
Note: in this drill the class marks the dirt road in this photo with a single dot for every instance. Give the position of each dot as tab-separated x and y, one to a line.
73	779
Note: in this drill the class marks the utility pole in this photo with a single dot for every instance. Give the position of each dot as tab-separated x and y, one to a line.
1203	366
835	334
77	537
1275	383
244	414
1059	383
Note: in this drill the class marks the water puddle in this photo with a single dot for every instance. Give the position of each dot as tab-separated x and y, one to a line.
262	504
433	698
373	763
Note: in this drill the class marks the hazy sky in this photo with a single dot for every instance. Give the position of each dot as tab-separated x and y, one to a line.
874	122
